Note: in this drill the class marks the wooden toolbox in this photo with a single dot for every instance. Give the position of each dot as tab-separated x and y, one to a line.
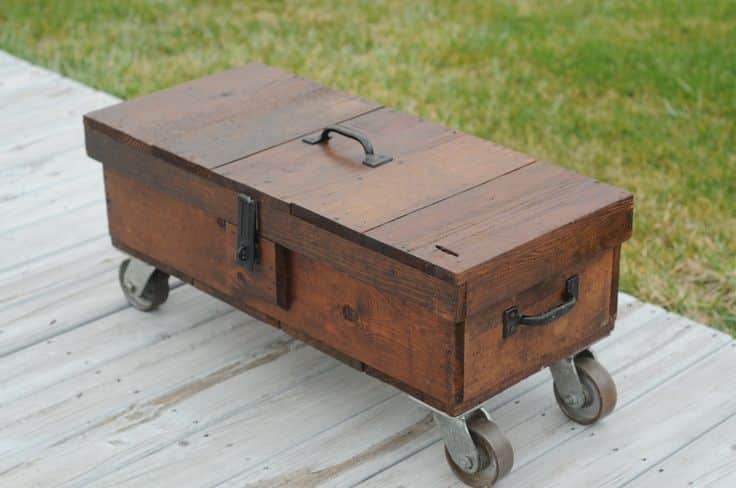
439	262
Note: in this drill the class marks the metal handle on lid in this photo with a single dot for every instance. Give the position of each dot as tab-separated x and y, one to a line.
370	159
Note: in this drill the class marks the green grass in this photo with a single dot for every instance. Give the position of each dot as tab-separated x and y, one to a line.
641	94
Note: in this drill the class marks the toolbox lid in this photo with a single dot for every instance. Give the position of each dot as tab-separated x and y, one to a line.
447	202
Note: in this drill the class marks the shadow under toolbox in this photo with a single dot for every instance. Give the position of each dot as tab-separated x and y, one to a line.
439	262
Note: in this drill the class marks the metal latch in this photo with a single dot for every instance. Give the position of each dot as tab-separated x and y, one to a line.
246	253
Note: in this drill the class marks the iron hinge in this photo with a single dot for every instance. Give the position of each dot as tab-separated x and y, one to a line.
246	251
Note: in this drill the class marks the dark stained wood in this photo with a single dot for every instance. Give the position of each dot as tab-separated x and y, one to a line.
281	272
551	253
146	220
216	197
213	121
614	281
192	105
415	181
493	363
407	282
470	232
296	116
328	183
295	167
407	342
404	270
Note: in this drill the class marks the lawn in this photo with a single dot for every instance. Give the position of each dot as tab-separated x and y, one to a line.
640	94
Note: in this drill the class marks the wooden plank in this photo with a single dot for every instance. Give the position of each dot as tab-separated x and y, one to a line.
59	309
349	452
16	283
58	100
43	126
150	117
508	222
227	116
708	460
22	85
154	396
39	175
123	436
294	168
251	430
42	149
40	281
59	96
416	180
50	235
294	117
116	335
25	208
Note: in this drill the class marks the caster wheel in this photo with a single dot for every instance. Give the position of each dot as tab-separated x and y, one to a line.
495	453
155	293
600	392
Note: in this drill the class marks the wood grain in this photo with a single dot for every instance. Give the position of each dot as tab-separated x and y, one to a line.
278	225
493	363
411	183
497	219
226	116
375	327
200	244
402	270
294	167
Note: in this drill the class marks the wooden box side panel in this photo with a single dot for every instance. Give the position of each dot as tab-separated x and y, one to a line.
493	363
404	343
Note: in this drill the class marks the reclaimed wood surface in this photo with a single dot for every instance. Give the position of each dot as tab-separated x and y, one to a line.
449	204
200	395
495	224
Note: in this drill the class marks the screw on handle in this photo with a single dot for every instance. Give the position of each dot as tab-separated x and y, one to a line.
513	318
370	159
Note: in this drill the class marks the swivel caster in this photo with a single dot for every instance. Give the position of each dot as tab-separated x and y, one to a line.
475	448
144	286
583	388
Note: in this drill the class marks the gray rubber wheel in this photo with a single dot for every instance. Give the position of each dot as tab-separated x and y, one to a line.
600	392
154	293
496	454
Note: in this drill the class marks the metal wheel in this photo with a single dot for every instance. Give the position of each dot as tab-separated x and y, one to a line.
155	292
600	392
494	449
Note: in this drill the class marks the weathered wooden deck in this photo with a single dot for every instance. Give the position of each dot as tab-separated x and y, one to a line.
94	393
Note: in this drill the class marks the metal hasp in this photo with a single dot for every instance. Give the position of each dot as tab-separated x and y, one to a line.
513	318
246	252
370	159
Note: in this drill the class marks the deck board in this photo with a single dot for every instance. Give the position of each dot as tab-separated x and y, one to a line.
94	393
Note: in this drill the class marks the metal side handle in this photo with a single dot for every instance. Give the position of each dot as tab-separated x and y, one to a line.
513	318
370	159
